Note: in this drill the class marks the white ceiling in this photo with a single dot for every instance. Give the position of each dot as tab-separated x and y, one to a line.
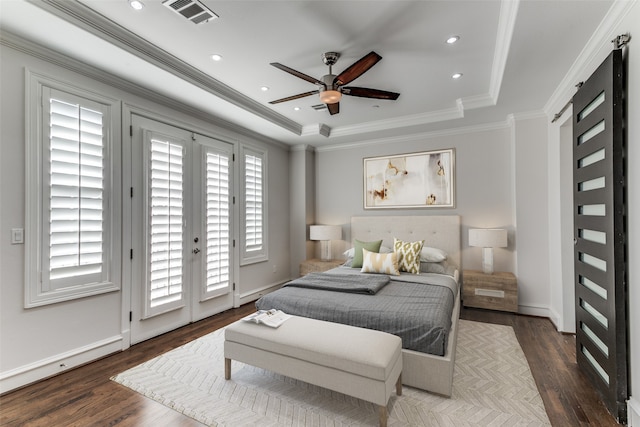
512	54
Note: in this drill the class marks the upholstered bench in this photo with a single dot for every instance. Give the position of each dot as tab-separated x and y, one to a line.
358	362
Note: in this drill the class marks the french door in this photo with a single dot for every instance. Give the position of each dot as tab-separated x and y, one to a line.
599	227
181	226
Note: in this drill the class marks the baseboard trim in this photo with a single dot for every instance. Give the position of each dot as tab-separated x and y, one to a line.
257	293
633	412
45	368
533	310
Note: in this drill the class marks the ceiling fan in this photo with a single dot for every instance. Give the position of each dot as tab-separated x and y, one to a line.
332	87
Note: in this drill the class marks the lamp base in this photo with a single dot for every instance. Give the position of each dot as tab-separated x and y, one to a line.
325	250
487	260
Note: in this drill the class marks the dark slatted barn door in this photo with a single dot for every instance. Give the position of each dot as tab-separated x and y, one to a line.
599	227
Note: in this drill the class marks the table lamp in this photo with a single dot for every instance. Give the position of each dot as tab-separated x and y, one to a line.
325	233
487	239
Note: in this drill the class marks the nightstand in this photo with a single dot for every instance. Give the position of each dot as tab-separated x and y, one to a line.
497	291
317	265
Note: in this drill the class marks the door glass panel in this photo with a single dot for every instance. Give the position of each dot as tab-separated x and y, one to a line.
594	287
595	130
217	223
165	222
591	106
596	156
592	184
592	210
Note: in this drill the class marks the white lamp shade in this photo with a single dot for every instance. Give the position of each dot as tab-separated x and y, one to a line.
325	232
488	237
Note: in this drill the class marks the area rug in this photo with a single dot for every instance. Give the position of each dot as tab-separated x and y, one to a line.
492	386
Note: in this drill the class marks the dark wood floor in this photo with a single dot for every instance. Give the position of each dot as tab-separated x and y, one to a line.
86	397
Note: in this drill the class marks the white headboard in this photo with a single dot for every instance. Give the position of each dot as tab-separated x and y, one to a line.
437	231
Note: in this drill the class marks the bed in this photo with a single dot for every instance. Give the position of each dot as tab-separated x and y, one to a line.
428	349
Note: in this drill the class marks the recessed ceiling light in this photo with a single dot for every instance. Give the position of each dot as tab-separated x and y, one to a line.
216	57
264	88
296	108
136	4
453	39
456	75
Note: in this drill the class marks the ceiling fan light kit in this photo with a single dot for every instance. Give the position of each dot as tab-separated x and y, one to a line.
332	87
330	96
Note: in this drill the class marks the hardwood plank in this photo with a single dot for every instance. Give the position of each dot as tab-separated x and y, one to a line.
85	396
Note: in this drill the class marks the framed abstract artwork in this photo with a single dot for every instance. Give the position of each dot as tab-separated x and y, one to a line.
417	180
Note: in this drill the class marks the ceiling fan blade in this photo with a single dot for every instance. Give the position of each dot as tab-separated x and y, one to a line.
366	92
291	98
357	69
297	74
333	108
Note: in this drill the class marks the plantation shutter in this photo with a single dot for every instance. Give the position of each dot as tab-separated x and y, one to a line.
76	194
165	224
217	223
253	204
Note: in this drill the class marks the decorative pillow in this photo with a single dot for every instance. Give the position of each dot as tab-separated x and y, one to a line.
442	267
358	246
383	250
432	254
379	263
408	255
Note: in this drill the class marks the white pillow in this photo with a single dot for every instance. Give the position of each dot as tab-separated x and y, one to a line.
432	254
373	262
349	252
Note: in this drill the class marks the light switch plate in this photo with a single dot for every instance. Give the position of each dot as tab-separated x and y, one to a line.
17	236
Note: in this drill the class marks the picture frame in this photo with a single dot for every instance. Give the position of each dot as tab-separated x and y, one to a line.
405	181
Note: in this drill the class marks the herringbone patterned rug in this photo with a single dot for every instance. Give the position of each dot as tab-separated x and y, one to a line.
492	386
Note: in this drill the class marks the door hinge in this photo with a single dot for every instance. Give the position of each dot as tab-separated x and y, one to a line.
131	316
234	286
234	243
131	192
130	130
130	253
234	200
233	157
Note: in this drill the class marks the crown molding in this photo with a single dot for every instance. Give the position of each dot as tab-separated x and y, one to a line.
416	136
83	17
506	25
35	50
591	54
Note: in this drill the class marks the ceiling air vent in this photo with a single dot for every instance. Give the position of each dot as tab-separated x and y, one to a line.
193	10
319	107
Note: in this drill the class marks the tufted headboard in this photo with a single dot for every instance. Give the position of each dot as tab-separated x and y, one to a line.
438	231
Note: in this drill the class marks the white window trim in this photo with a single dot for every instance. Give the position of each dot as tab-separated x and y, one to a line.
253	257
36	207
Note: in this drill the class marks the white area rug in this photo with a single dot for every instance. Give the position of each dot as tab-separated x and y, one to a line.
492	386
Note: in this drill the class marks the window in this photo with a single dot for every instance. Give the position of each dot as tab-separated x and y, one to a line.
69	196
253	231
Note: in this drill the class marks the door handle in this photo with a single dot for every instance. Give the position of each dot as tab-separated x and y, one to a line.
196	250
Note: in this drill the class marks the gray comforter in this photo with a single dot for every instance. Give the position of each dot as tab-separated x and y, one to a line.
417	308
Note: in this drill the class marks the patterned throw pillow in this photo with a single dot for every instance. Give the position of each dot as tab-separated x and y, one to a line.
408	255
380	263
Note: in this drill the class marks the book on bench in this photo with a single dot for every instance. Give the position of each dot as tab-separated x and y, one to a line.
272	318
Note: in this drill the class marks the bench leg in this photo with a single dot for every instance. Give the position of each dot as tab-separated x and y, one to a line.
399	385
384	414
227	369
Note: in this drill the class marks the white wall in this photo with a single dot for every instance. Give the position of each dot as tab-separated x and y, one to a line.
483	185
36	342
530	195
